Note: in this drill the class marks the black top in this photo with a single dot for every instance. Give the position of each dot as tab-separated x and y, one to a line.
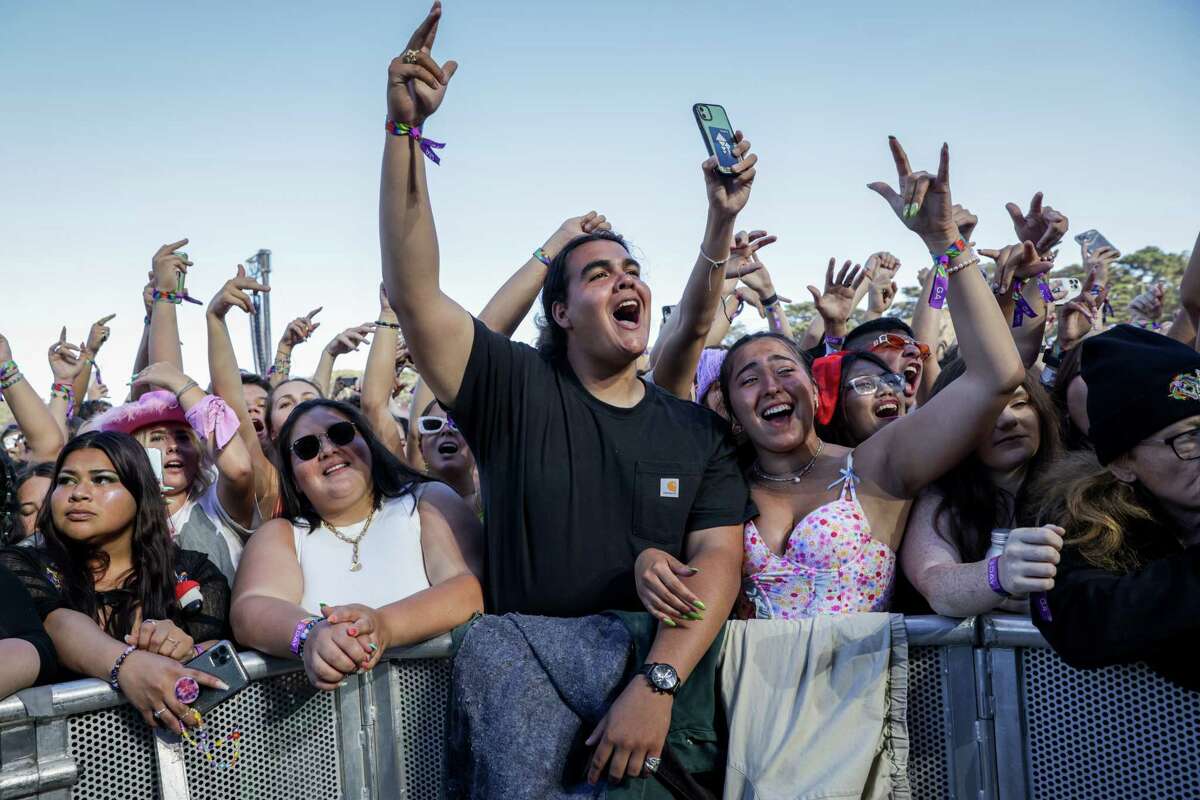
20	620
37	572
574	489
1151	614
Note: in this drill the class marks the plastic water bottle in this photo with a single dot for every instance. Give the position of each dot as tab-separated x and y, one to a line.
999	538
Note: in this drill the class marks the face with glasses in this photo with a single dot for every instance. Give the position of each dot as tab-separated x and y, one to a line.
871	398
330	460
442	445
1167	464
904	355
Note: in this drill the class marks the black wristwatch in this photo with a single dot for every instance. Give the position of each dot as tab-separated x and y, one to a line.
663	678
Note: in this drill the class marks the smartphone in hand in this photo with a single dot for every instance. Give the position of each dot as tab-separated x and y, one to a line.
222	661
717	132
1093	240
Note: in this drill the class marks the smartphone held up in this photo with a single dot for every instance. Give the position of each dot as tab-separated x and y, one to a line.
717	132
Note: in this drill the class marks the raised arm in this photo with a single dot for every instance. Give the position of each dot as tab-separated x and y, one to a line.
837	301
298	331
379	378
97	336
1189	285
348	341
1021	263
163	344
504	312
66	362
235	474
439	332
913	451
760	284
727	196
224	374
43	437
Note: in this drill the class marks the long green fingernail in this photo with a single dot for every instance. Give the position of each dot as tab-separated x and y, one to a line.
910	210
700	605
373	647
696	570
670	623
694	615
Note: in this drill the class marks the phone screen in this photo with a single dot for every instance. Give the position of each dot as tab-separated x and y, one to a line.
156	462
717	131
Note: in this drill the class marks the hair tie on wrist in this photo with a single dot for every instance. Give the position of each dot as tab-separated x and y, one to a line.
770	301
393	325
427	145
713	261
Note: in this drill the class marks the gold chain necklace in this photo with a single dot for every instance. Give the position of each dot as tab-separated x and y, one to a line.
355	564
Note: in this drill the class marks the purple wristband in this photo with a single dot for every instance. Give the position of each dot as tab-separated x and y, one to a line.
993	570
300	635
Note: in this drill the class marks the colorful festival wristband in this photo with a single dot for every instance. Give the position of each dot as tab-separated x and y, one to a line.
66	392
174	298
941	280
541	256
427	145
993	572
1022	308
300	635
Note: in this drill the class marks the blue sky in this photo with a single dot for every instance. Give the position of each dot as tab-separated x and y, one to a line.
248	125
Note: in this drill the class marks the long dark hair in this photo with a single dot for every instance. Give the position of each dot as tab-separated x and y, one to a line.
745	448
390	477
838	430
971	503
552	338
151	585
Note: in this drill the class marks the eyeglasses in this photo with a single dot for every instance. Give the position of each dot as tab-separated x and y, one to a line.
428	426
869	384
339	434
894	341
1186	445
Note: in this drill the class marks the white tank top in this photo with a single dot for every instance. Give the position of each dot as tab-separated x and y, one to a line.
393	566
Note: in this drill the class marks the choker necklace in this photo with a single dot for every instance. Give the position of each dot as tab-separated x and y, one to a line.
788	477
355	564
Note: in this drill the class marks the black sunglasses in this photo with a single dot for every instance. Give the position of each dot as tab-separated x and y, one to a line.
339	434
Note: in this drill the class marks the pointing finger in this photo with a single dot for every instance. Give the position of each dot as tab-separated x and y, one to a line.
105	320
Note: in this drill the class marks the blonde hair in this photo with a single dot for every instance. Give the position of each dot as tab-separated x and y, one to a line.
1096	509
205	468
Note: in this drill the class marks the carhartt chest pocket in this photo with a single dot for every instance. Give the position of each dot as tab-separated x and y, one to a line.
662	499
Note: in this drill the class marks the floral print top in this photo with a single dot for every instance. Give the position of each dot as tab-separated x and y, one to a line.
831	564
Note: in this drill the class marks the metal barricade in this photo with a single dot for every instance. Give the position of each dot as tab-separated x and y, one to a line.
992	712
1118	732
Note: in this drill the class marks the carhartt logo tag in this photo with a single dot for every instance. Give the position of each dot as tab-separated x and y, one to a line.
668	487
1185	386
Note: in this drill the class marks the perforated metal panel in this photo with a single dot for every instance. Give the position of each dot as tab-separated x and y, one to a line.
928	724
114	751
420	724
288	745
1119	732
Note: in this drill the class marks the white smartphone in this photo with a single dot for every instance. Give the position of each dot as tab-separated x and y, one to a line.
1065	289
156	462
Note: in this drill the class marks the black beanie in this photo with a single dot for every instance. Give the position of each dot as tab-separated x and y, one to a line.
1138	382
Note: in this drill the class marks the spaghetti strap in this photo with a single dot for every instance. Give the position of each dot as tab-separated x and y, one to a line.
848	479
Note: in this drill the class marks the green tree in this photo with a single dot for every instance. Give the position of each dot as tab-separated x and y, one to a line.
1136	272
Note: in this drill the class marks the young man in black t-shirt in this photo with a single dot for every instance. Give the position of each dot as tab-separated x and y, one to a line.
587	470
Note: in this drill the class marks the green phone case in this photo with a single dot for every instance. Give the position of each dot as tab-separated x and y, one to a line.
717	132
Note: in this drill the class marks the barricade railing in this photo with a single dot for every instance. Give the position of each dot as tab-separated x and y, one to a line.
993	713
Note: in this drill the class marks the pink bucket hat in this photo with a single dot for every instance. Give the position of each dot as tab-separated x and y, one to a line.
153	408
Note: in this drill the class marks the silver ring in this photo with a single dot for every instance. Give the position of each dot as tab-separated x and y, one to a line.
160	712
172	641
652	764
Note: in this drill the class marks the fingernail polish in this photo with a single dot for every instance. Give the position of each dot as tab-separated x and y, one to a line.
352	631
695	570
695	616
700	605
373	647
670	623
323	605
223	686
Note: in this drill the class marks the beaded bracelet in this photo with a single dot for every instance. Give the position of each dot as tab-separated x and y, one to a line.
384	323
970	262
993	575
279	369
66	392
427	145
174	298
541	256
300	635
116	668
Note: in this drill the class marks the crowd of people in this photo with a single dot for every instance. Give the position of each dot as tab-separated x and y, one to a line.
990	462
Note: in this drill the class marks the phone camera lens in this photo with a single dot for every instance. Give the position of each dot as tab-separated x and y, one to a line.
221	656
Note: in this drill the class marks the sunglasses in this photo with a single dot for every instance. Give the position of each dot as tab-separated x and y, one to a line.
894	341
869	384
339	434
428	426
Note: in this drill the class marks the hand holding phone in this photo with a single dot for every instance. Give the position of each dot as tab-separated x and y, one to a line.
222	661
730	178
718	135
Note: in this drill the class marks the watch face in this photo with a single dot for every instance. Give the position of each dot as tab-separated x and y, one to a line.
664	677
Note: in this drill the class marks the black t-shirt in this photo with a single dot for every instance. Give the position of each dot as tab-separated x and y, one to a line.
574	489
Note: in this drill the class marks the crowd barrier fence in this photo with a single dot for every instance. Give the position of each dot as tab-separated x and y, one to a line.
993	715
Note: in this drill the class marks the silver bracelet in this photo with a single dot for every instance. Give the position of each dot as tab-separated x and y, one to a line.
189	385
715	264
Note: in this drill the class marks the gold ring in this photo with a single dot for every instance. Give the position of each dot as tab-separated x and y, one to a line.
410	56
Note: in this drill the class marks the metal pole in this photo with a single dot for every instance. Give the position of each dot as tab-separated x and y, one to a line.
260	323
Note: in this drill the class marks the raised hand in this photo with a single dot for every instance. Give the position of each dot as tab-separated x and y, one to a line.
300	329
233	293
743	255
161	375
98	335
728	194
348	340
1098	259
1015	262
923	203
416	84
1043	226
1080	316
166	266
1147	307
837	301
64	358
573	227
97	391
965	220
